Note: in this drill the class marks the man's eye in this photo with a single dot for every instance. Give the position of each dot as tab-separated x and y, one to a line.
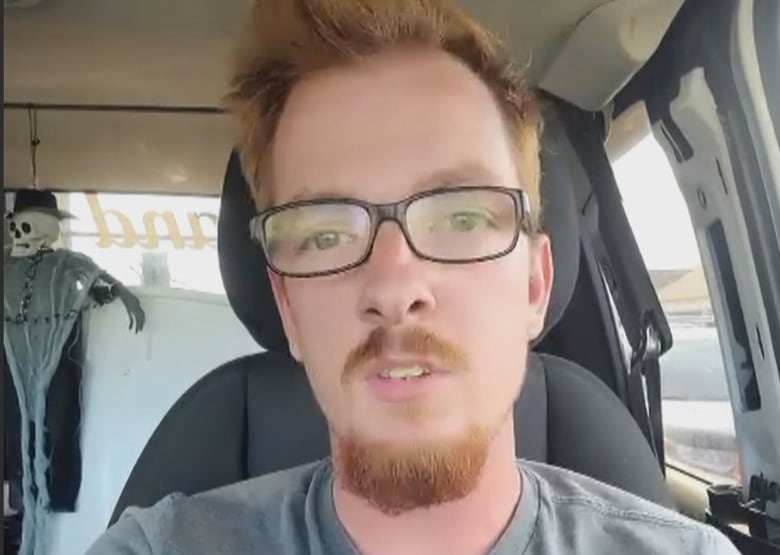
325	240
467	221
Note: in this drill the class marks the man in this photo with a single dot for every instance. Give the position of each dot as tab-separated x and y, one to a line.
394	156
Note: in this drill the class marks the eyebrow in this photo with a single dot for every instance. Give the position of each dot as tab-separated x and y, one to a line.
470	172
467	173
309	193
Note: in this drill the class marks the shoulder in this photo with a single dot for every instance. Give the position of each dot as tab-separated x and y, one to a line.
241	513
74	258
562	487
278	492
596	513
70	261
285	489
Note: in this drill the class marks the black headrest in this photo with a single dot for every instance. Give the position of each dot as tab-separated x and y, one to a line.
560	220
248	288
242	263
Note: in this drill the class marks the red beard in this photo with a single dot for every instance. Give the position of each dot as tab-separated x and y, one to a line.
398	479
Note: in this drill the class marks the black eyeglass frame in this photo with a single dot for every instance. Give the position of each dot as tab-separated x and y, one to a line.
396	212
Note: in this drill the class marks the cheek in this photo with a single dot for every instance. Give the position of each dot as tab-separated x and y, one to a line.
323	315
486	310
320	310
489	303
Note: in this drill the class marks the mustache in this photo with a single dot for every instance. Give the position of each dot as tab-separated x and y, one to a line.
415	340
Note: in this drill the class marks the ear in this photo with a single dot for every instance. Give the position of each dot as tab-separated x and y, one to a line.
283	305
540	279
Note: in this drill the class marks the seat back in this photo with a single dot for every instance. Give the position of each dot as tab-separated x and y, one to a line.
257	414
234	424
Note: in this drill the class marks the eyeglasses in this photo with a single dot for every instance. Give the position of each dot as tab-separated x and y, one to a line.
318	237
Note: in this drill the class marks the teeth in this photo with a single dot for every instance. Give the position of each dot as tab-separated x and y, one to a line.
404	372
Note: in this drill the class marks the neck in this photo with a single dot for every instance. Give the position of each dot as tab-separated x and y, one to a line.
467	526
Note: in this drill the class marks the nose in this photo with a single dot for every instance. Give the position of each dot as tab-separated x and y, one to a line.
18	234
396	290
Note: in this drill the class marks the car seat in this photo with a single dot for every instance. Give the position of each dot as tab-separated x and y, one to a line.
257	414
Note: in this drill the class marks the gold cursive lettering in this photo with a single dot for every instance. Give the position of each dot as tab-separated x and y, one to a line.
127	239
128	236
152	239
199	239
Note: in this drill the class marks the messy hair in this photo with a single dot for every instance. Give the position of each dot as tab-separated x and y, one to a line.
285	40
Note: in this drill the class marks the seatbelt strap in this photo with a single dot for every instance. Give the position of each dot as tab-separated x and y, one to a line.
646	372
635	298
637	406
643	383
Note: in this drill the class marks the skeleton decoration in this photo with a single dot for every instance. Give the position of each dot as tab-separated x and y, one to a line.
45	291
32	231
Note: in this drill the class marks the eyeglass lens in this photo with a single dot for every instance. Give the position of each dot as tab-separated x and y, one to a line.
447	226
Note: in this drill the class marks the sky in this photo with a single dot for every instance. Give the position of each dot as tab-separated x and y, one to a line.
655	208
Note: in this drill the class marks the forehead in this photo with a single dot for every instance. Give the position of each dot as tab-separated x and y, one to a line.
387	126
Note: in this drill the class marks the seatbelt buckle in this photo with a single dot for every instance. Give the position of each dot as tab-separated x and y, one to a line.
650	347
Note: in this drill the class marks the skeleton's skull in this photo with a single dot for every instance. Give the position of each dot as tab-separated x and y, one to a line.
32	231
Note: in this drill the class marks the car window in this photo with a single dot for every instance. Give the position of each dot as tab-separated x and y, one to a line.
694	371
698	420
167	241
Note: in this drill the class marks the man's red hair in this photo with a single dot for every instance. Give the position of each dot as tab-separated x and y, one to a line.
285	40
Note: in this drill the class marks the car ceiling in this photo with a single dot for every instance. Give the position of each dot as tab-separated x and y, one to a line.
165	64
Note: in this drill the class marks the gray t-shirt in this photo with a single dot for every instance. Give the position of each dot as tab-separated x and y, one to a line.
292	512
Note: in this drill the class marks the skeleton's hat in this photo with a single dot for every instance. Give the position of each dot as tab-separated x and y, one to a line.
34	200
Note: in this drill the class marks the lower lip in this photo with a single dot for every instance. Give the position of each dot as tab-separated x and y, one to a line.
401	389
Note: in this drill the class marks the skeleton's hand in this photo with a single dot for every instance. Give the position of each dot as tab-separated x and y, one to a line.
133	306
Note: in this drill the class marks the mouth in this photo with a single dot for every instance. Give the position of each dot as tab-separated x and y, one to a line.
400	367
395	380
404	372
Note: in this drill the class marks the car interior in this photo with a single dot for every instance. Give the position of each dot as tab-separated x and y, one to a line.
125	99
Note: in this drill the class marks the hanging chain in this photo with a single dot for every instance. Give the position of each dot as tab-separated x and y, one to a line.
22	317
32	124
27	289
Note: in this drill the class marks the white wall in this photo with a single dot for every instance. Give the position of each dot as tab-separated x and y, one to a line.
130	382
